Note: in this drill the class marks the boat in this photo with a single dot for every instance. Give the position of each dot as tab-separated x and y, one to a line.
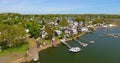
54	45
84	44
35	59
74	49
92	42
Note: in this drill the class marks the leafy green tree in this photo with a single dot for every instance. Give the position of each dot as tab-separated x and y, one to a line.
96	20
49	28
80	18
34	28
34	31
11	35
63	23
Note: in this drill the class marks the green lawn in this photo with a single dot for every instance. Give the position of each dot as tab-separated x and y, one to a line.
21	49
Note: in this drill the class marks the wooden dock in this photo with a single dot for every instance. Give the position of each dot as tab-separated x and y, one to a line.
66	44
113	35
90	41
82	44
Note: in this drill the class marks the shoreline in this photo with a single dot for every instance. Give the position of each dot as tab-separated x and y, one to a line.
27	59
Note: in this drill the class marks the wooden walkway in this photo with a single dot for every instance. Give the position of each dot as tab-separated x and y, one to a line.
66	44
82	44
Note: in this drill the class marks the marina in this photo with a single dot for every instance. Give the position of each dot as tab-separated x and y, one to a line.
105	50
60	31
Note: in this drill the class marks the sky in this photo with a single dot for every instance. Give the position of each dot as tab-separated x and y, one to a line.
60	6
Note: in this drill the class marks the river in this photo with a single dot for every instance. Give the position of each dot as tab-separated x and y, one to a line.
104	50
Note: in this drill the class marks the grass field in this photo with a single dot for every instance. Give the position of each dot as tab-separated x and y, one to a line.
21	49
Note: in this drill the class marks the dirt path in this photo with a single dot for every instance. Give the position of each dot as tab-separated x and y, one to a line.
19	57
11	57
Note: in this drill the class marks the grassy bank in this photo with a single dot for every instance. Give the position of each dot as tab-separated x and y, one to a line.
21	49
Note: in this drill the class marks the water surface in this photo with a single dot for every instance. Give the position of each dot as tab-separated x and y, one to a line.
105	50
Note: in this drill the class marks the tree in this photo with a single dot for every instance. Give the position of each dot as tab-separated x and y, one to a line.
34	29
80	18
49	28
11	35
96	20
63	23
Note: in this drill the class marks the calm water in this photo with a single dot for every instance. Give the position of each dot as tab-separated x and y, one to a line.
105	50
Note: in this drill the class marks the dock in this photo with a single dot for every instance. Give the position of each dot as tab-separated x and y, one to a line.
90	41
82	44
72	49
66	44
113	35
35	54
84	39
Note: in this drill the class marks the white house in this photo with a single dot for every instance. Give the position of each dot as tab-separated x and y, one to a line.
58	32
111	25
74	25
27	30
74	31
81	23
56	24
31	19
84	29
44	34
90	26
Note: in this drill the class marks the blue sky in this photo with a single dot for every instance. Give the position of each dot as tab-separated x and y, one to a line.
61	6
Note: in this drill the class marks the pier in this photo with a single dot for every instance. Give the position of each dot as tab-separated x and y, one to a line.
113	35
66	44
83	44
72	49
90	41
35	54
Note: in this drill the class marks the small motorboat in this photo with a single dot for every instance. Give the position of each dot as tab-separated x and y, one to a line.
74	49
92	42
84	44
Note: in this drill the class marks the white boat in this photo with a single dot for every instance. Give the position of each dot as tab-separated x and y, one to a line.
36	59
74	49
84	44
104	26
91	41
